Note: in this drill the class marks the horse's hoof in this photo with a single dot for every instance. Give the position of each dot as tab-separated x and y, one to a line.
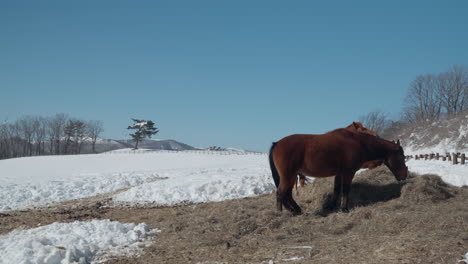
344	210
296	213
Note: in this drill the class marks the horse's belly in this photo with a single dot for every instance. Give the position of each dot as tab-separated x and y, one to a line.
318	173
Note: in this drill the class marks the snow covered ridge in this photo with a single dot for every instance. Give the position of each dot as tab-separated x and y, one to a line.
440	136
77	242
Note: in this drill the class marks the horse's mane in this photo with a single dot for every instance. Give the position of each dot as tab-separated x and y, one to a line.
366	136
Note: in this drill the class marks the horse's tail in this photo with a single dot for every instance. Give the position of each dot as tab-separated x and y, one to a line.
274	171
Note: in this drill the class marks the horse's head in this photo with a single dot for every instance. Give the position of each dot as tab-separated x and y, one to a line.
396	163
359	127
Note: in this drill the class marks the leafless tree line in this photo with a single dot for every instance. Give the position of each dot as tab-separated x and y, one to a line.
55	135
376	121
434	96
430	97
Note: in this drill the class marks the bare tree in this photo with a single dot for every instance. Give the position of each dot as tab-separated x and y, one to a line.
56	132
41	134
5	142
39	128
26	132
69	132
28	136
95	128
80	135
422	102
453	90
375	120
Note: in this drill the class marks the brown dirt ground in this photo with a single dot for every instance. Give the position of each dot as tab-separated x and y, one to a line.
424	220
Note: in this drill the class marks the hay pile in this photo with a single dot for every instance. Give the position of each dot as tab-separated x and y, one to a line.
379	185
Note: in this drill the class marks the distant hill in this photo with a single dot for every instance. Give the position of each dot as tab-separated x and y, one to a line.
449	135
103	145
168	144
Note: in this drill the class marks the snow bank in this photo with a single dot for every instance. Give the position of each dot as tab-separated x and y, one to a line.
454	174
202	186
444	146
18	196
464	260
77	242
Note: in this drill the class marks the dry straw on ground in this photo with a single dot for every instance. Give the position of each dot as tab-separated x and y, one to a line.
424	220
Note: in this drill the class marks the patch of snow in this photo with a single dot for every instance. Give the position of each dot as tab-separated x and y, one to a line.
307	247
293	259
140	124
128	151
20	196
445	145
453	174
203	185
465	259
76	242
235	149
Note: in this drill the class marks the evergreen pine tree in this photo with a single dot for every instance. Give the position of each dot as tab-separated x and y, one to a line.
144	129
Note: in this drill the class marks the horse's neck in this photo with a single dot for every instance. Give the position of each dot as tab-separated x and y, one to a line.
377	148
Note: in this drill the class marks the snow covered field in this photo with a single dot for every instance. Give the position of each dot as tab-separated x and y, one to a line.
164	178
177	177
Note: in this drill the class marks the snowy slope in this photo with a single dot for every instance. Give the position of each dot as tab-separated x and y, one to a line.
449	135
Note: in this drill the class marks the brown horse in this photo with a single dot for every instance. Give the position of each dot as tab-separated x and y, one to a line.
354	127
358	127
338	153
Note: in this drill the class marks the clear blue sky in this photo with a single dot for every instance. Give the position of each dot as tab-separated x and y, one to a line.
226	73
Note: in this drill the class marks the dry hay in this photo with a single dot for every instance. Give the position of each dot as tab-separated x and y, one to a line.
423	220
379	185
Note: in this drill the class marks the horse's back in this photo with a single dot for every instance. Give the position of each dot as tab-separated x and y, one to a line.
335	140
318	155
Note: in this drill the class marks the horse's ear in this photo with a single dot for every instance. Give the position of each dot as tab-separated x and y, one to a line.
355	125
398	142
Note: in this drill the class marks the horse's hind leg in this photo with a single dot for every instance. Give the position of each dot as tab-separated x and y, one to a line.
284	195
291	205
279	200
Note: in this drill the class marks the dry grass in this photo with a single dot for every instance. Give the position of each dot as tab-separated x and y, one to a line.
422	221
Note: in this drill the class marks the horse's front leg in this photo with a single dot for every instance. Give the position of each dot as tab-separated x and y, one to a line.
346	181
